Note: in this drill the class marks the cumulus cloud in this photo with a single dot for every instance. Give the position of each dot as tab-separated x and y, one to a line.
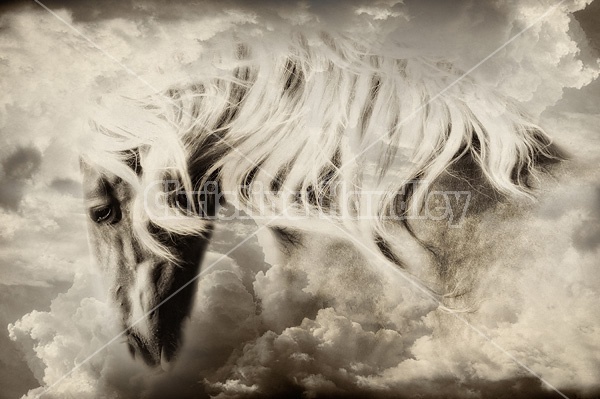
342	351
78	325
337	329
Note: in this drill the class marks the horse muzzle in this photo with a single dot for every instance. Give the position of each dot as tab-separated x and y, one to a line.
160	301
151	350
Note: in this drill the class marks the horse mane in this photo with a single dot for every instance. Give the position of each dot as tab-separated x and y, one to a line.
286	125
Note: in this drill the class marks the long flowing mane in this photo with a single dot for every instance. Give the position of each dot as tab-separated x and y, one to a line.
312	123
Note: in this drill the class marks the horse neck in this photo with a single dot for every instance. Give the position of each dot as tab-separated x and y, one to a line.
449	253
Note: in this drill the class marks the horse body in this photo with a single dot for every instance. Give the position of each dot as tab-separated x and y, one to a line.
320	145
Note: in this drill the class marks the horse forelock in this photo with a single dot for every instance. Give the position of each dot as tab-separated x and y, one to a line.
137	143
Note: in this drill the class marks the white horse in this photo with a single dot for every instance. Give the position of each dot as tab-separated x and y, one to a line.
320	140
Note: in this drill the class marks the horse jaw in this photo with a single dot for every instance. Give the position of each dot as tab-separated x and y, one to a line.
152	295
160	297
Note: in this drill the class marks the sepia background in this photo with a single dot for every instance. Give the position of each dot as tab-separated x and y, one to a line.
57	57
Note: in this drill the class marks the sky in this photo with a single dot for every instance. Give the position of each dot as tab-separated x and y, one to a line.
303	338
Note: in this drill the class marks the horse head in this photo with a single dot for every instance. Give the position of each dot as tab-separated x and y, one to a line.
153	290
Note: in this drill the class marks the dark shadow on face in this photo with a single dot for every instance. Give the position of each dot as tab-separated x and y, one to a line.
154	295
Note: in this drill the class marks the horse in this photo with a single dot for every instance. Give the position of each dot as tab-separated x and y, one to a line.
320	139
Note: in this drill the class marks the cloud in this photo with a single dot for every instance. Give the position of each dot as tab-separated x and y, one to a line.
77	325
586	237
67	185
235	349
16	378
22	163
336	328
339	352
327	355
18	167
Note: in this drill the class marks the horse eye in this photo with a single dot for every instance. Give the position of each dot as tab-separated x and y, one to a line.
103	214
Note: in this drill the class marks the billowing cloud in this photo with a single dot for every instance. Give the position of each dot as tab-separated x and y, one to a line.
413	350
338	329
78	325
